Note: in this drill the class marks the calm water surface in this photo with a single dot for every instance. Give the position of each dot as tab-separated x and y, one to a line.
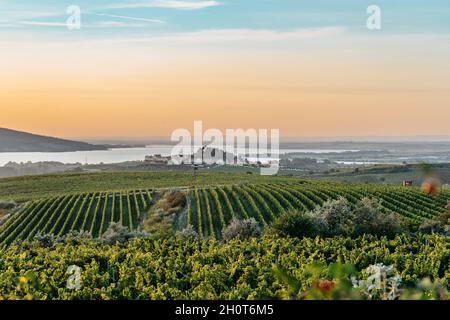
112	155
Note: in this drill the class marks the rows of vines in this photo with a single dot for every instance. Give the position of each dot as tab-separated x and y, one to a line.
210	209
85	212
213	207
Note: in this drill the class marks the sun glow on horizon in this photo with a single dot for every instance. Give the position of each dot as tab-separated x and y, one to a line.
306	81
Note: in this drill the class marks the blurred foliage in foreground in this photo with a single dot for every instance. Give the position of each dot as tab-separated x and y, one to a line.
269	267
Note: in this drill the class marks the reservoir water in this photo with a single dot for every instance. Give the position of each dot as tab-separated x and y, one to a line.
113	155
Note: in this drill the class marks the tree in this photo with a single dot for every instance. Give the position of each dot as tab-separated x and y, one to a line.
370	218
241	229
337	215
299	224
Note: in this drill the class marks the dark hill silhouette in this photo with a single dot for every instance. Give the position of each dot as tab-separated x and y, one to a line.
17	141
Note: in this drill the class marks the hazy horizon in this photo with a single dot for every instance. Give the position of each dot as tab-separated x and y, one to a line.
361	139
283	139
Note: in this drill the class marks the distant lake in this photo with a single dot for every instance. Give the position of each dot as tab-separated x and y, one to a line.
114	155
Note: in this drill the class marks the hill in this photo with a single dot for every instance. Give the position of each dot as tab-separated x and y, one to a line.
212	201
17	141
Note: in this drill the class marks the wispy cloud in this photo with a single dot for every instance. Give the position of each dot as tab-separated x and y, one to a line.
43	23
15	14
131	18
169	4
118	24
258	35
240	35
138	22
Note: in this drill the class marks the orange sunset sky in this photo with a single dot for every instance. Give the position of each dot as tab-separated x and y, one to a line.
321	81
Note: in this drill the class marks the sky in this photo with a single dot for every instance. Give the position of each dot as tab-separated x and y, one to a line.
144	68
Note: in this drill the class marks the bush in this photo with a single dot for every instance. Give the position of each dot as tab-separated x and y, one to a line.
77	237
370	218
440	225
116	233
159	223
160	218
188	233
432	226
7	205
338	216
299	224
46	240
172	200
241	229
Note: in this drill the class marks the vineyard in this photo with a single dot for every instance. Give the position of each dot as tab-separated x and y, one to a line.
37	187
180	269
209	209
88	212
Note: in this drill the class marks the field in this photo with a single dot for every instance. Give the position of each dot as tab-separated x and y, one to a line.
89	212
208	267
41	186
179	269
209	209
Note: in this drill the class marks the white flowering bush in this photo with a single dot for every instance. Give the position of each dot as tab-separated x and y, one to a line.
382	283
242	229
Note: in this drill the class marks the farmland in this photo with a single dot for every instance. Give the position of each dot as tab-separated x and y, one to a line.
209	209
179	269
64	222
85	212
41	186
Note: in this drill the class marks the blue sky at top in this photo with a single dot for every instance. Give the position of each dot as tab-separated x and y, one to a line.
116	17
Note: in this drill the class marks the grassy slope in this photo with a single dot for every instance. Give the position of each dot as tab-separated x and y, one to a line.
38	186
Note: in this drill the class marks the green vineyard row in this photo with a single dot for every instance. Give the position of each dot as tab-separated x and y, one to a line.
209	209
180	269
87	212
212	208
